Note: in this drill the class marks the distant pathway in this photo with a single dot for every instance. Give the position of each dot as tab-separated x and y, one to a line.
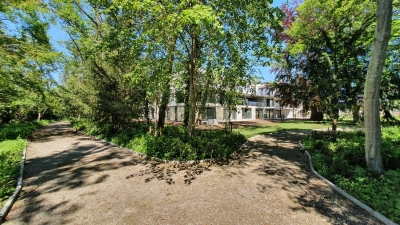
73	179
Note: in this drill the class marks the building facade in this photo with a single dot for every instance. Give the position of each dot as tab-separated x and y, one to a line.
259	102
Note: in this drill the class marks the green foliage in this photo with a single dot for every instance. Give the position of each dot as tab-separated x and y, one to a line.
343	163
17	129
173	144
27	63
324	54
11	147
10	158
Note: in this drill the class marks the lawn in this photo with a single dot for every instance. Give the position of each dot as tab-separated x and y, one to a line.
250	131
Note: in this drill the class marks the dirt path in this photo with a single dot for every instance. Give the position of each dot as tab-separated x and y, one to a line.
72	179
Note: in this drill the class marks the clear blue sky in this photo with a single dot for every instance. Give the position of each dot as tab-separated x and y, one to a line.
58	36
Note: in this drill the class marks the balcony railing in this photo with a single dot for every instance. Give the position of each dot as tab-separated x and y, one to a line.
259	104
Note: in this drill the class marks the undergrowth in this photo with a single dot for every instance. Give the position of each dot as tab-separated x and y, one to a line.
12	144
343	162
172	145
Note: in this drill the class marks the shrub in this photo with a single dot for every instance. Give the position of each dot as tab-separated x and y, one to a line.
343	163
173	144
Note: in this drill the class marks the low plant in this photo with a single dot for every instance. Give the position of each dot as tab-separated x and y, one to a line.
10	159
172	144
12	143
343	163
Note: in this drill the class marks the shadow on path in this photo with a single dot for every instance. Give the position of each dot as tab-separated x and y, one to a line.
277	157
61	163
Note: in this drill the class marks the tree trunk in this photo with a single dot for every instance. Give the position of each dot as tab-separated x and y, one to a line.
206	86
335	117
316	115
356	114
166	92
147	112
41	114
373	139
186	101
192	87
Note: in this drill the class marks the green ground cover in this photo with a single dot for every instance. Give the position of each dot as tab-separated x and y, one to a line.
12	144
343	163
250	131
172	145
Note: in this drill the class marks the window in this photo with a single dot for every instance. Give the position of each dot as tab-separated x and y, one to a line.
210	113
246	113
226	114
259	114
261	92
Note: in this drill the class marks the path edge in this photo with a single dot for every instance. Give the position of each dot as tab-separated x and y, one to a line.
374	213
6	208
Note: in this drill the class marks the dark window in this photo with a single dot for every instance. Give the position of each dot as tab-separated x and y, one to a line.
210	113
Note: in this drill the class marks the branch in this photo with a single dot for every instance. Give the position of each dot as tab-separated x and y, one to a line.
86	14
184	43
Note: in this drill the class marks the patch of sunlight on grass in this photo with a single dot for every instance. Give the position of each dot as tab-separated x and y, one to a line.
250	131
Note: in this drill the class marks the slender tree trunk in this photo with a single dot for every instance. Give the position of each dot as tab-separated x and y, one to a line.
186	101
204	95
192	88
356	114
40	115
166	92
373	139
335	116
147	112
316	115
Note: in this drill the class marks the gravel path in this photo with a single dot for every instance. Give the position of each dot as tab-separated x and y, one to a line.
72	179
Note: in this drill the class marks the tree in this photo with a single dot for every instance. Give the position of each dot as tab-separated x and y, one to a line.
390	85
326	45
373	139
212	31
27	61
106	45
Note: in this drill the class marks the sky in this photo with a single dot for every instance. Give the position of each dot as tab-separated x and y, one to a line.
57	36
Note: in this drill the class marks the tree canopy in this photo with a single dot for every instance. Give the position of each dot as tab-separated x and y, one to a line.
26	63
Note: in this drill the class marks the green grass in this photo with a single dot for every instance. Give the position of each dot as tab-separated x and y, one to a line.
251	131
12	144
10	158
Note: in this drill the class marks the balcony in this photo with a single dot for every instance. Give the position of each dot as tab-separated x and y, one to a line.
259	104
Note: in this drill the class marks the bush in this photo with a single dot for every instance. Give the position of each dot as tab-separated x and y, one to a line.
173	144
13	130
343	163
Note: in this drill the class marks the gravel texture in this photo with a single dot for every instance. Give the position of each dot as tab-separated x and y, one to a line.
71	178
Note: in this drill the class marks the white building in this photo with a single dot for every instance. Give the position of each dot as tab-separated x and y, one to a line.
259	103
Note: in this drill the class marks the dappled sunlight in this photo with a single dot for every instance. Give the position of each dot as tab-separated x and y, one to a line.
78	163
71	178
276	158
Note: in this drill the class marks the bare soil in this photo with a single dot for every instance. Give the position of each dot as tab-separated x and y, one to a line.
74	179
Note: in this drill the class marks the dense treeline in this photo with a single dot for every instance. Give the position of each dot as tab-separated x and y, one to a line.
127	58
126	55
27	62
325	54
